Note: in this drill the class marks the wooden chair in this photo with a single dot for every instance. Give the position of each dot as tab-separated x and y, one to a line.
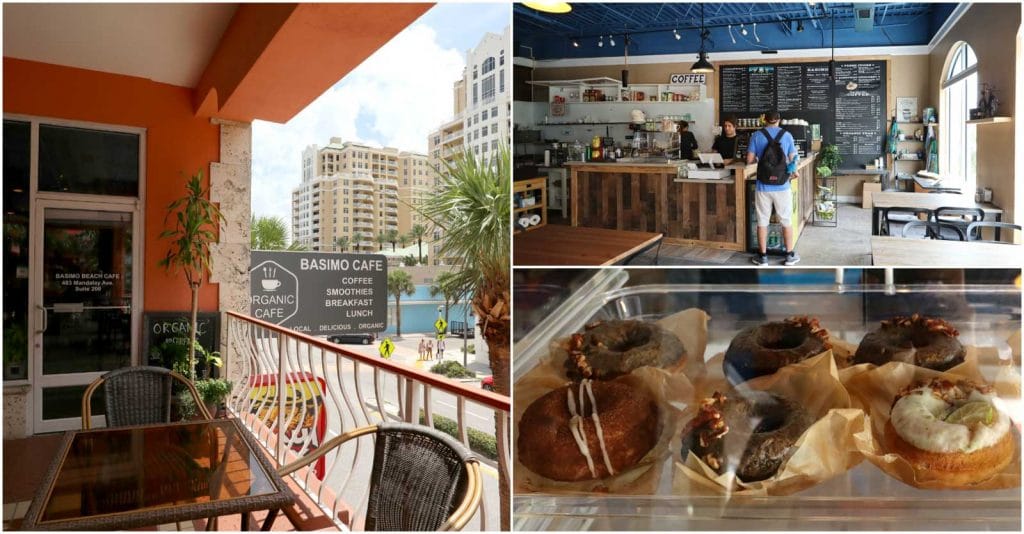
974	230
137	396
409	460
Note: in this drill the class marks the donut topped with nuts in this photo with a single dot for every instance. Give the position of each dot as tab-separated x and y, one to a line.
607	349
916	339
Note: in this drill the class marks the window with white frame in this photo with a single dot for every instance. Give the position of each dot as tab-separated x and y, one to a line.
958	146
487	66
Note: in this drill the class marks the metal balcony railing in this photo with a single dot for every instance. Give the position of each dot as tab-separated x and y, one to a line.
330	390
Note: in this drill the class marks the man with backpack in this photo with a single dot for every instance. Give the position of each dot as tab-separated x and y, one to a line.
775	152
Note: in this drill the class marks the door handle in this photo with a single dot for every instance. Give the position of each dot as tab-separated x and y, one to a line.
46	319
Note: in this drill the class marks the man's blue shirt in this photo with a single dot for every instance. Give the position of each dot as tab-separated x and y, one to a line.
758	143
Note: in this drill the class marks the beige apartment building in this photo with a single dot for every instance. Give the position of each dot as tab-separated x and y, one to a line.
353	191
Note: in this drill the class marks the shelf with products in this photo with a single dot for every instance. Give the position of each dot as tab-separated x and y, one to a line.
529	204
605	90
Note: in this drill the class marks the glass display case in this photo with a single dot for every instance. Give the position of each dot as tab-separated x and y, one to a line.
988	317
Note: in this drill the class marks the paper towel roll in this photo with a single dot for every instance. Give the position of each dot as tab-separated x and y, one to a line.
524	222
534	220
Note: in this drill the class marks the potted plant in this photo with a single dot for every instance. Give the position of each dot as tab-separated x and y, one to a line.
828	160
196	220
15	351
213	391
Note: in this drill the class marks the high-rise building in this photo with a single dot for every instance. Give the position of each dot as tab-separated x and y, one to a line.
350	192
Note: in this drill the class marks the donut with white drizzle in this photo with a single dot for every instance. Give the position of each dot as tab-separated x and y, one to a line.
587	430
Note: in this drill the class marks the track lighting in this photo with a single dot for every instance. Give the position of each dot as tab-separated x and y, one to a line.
799	25
611	40
743	30
755	33
575	43
676	34
600	41
731	36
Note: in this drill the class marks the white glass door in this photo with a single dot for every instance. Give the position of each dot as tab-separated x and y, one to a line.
83	298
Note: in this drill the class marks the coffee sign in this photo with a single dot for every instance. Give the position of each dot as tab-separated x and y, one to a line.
688	79
320	293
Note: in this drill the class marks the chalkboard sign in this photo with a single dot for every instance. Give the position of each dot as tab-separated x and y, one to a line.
851	109
164	331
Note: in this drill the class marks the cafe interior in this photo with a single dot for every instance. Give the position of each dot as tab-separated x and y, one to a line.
632	122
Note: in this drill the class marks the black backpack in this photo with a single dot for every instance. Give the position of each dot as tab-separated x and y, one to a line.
771	166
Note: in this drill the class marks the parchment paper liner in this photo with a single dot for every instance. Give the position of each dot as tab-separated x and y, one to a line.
876	388
673	392
825	450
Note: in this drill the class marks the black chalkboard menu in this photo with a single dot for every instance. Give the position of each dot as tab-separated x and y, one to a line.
166	334
851	109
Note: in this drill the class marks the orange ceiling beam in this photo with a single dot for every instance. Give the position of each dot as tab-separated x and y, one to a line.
275	59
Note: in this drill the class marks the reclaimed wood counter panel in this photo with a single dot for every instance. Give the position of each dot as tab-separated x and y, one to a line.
647	198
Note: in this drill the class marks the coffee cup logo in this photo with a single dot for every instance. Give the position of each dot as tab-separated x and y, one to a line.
270	281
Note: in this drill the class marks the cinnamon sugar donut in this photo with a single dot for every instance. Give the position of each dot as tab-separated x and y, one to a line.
766	348
587	430
950	431
922	341
607	349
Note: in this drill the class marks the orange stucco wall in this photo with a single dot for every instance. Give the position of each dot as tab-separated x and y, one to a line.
177	145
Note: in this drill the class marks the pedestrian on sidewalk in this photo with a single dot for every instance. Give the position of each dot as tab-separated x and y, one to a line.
423	348
440	349
430	349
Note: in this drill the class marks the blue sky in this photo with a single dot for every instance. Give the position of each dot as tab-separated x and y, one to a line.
395	98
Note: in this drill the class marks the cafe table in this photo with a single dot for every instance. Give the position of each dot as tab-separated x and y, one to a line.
141	476
556	244
896	251
880	202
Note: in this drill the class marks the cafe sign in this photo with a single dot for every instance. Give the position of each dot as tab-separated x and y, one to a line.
688	79
319	293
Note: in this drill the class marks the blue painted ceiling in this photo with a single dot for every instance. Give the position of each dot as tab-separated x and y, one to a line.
650	27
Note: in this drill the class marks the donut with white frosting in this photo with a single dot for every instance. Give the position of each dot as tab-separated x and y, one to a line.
952	431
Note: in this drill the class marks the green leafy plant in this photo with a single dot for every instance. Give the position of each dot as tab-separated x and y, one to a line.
195	221
452	369
214	390
445	285
170	354
409	261
186	405
828	160
15	349
417	233
208	359
479	442
399	283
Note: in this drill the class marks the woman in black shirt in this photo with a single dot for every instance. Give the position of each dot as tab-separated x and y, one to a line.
727	143
687	142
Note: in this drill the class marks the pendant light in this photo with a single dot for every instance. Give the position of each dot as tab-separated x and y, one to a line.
625	59
832	62
702	65
547	6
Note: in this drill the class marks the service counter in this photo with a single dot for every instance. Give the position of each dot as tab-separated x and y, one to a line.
651	197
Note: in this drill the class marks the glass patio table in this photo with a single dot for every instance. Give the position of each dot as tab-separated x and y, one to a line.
132	477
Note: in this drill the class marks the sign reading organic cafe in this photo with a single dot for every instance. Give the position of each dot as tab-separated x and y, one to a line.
320	293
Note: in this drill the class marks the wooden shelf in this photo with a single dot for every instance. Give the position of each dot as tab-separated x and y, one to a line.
990	120
528	208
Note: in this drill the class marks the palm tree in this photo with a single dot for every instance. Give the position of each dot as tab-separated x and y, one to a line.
443	286
473	208
196	220
342	243
357	238
381	239
392	236
417	232
399	282
403	240
268	233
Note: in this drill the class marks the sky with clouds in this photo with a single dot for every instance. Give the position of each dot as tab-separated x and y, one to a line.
395	98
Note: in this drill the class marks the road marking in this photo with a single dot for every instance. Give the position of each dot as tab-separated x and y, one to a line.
478	416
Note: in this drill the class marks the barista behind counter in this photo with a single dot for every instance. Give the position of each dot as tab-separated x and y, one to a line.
727	143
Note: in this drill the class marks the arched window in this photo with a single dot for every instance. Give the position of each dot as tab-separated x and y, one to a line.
487	65
958	146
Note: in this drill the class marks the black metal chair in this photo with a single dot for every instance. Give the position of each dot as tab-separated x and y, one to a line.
409	461
931	230
894	218
959	217
974	230
138	395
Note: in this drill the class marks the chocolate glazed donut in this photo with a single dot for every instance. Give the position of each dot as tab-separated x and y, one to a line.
922	341
607	349
750	433
764	349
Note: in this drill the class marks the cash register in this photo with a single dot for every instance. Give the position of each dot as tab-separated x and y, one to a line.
711	167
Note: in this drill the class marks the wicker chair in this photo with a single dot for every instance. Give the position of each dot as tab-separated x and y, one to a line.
409	460
137	396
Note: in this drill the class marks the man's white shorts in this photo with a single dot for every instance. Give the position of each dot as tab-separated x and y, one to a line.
783	202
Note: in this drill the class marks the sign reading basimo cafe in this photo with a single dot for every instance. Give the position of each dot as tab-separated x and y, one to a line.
320	293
